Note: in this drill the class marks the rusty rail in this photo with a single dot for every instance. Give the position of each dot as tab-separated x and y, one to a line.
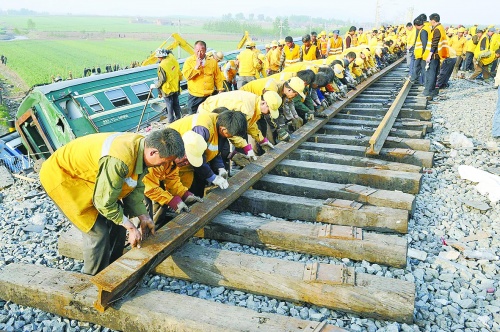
384	128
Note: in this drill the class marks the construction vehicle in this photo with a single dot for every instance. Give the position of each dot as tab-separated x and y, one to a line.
178	42
243	40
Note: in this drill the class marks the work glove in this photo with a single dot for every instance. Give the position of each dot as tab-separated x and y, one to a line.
239	159
283	135
324	103
178	205
251	155
152	86
189	198
309	116
297	123
221	182
223	173
266	145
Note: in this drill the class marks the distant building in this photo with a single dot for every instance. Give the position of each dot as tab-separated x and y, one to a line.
163	22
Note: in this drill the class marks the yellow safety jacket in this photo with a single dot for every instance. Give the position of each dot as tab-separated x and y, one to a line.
421	51
249	63
206	120
258	86
202	81
310	54
173	74
69	175
362	39
168	175
443	47
336	46
274	60
323	46
458	44
239	101
490	48
284	75
354	40
410	37
473	30
303	66
291	55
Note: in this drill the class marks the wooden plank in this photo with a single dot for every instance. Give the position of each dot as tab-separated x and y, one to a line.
390	142
375	178
338	212
424	126
366	130
120	277
70	294
409	156
321	190
404	113
342	159
385	127
333	286
317	239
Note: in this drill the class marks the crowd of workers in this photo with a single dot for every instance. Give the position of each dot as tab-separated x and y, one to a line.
253	102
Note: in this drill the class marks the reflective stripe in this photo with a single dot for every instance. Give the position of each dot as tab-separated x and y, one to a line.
268	83
212	147
131	182
106	146
292	61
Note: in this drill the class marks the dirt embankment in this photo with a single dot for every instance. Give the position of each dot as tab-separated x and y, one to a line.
12	88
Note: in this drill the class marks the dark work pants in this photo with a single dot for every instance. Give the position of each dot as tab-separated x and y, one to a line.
469	65
102	245
173	107
445	72
193	103
431	77
417	75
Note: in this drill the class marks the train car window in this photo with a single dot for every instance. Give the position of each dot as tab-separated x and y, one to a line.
117	97
141	91
93	103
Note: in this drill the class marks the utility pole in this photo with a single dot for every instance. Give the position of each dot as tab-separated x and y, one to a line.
281	28
410	14
377	14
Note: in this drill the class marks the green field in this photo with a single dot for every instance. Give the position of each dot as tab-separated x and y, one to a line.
36	60
95	24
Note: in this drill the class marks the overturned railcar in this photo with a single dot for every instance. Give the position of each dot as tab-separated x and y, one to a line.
52	115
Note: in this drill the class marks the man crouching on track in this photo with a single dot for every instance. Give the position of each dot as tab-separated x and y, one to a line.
205	137
253	107
96	181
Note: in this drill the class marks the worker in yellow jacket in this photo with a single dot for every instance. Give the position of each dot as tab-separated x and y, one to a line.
457	42
169	76
254	107
248	64
484	54
96	181
207	135
291	54
203	76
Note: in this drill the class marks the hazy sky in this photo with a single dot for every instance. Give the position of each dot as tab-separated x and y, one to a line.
451	11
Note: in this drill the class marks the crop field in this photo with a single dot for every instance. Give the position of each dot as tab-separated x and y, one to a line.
35	61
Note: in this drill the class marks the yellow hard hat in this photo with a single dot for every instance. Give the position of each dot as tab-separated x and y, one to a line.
274	43
330	34
261	57
219	56
281	42
338	70
322	33
195	147
274	101
250	44
462	29
359	62
268	46
297	85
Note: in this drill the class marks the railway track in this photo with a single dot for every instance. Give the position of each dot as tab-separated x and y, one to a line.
319	194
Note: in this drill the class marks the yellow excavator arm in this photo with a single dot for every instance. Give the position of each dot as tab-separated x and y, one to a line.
178	42
243	40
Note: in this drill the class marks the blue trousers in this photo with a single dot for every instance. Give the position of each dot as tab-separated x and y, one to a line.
193	103
173	107
430	78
